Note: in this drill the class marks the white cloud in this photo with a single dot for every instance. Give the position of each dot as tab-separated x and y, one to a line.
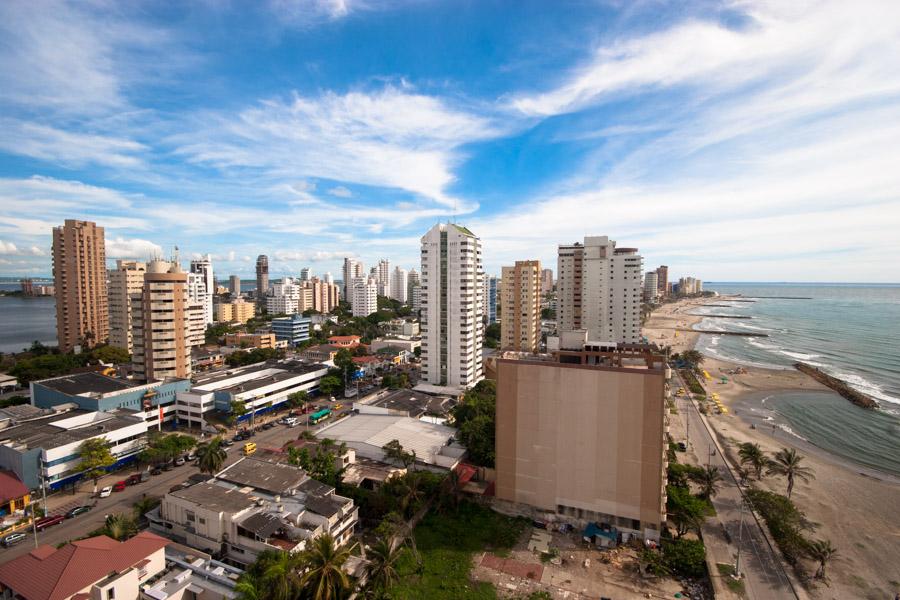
68	147
341	192
309	256
8	248
131	248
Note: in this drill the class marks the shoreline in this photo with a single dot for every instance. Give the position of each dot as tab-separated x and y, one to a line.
853	505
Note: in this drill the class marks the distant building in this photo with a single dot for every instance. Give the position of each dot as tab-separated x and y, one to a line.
520	329
79	277
401	327
289	297
96	568
490	293
365	297
383	274
250	340
546	281
252	506
262	280
651	287
202	288
452	328
556	414
305	274
412	281
238	311
234	286
662	280
345	341
406	344
323	295
353	269
293	329
599	289
320	353
399	281
166	324
27	287
415	297
126	282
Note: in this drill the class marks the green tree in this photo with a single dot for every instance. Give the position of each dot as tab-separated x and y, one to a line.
249	587
686	558
383	556
144	505
820	551
282	576
211	456
168	447
786	463
475	417
709	480
751	454
111	354
95	458
692	358
325	578
238	410
394	452
330	385
120	526
685	511
297	399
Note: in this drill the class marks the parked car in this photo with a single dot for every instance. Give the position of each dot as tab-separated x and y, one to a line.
78	510
119	486
268	426
145	475
42	524
227	442
191	456
155	470
179	461
167	467
14	538
133	479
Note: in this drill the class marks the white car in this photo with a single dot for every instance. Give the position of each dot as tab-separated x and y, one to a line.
106	492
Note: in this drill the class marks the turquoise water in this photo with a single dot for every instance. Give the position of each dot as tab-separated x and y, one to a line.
849	331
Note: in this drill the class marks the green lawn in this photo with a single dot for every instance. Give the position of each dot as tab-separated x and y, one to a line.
447	543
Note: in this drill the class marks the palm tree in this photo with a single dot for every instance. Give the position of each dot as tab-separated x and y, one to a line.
143	506
120	527
211	456
325	578
786	462
249	588
708	479
281	576
752	454
382	568
821	551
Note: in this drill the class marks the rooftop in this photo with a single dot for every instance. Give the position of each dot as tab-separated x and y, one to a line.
271	477
81	384
216	497
255	376
47	573
411	402
11	487
48	432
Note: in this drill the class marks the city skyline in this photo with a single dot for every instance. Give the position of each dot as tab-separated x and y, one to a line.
728	139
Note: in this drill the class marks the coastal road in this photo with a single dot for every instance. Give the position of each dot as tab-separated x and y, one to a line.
763	569
122	502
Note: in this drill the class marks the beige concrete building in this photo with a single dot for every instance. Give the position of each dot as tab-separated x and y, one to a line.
125	284
250	340
520	289
581	433
237	311
324	295
79	276
165	324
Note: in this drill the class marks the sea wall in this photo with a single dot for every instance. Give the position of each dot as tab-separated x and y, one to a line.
854	396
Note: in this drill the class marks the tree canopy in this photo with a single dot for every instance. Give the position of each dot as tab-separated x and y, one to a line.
475	417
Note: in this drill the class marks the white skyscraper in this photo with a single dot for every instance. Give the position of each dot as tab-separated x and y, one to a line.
651	286
365	296
352	269
452	329
203	267
305	274
329	278
599	288
383	273
398	285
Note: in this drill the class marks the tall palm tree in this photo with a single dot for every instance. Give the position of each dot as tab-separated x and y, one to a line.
281	577
708	479
249	587
751	454
211	456
120	527
325	578
820	551
786	462
144	505
382	568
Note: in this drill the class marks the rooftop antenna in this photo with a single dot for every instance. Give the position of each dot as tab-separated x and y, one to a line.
175	255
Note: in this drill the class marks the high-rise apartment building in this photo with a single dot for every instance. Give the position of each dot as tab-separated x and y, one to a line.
126	282
305	274
289	297
662	279
452	329
79	276
415	297
599	289
365	296
238	311
546	281
329	278
555	417
324	295
234	286
399	283
651	287
202	287
383	274
520	327
490	295
412	280
262	280
165	324
353	269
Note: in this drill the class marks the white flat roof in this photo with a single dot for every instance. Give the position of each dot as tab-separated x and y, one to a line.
426	439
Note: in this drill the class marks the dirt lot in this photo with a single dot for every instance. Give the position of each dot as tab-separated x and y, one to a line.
608	574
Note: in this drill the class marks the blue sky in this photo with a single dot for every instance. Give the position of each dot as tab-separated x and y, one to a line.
732	141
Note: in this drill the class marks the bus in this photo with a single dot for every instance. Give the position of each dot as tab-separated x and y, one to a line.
249	448
318	416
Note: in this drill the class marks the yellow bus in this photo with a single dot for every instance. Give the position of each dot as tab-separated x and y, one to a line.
249	448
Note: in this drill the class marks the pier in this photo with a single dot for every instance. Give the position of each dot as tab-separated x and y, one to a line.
737	333
838	385
778	298
722	316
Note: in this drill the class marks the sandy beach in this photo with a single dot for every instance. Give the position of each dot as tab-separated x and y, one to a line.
855	507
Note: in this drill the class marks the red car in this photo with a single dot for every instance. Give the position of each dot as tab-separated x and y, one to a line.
120	486
41	524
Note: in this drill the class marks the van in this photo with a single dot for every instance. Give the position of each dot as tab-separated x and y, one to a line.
13	539
290	421
249	448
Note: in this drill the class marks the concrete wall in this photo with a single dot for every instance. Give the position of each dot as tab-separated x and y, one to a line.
581	437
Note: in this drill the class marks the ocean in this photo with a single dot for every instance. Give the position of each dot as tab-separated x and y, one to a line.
850	331
24	320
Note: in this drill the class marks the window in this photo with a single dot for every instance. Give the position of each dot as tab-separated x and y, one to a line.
190	516
111	594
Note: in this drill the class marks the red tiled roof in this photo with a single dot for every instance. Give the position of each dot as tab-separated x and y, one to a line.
367	359
49	574
344	338
11	488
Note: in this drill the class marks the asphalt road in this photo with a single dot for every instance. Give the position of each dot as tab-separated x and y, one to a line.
158	485
764	575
